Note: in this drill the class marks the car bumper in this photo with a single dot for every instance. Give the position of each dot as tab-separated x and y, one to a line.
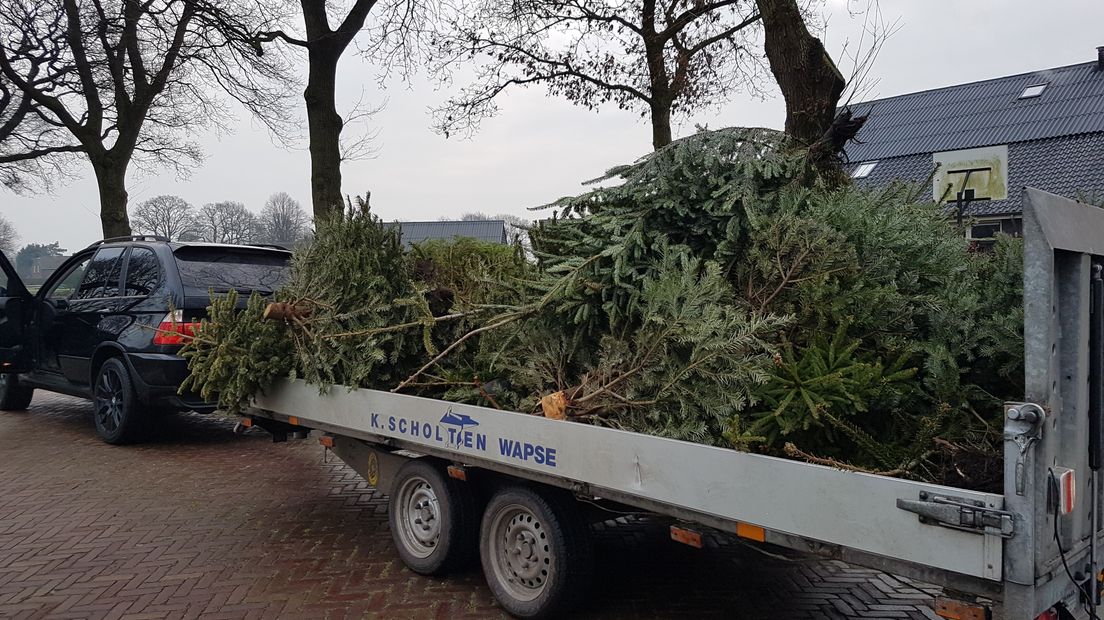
157	378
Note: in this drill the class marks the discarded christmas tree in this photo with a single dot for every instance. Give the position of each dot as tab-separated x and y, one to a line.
718	293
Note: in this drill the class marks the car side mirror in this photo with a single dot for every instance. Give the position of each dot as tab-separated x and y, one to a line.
60	303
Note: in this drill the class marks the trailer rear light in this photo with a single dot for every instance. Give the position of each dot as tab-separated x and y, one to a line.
174	330
1062	490
1050	614
1067	495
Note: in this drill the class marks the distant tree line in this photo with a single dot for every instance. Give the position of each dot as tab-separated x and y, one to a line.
282	221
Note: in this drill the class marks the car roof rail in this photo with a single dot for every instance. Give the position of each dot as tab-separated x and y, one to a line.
131	238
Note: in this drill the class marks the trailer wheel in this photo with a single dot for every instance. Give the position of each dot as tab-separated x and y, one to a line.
432	518
535	552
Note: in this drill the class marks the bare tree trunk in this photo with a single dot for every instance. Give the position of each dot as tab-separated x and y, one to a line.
807	77
324	125
111	182
661	125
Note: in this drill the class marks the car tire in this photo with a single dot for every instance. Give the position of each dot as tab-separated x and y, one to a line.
13	396
120	417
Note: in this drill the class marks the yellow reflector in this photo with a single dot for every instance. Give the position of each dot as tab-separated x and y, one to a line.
292	420
751	532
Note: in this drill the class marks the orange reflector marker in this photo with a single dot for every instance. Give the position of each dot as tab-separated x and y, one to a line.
686	537
292	420
751	532
326	440
247	422
455	471
958	610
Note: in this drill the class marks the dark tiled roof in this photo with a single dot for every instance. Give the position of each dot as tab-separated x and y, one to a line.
982	114
493	231
1071	166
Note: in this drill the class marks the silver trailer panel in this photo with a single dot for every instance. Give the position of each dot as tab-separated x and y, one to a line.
850	509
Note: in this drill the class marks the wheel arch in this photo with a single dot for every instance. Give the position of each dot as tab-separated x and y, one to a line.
104	352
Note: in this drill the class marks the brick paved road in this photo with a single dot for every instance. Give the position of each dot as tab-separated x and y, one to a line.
200	522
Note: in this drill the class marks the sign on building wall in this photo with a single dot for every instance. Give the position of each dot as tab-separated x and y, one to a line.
983	170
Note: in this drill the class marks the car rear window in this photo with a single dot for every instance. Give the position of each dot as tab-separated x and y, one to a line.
221	270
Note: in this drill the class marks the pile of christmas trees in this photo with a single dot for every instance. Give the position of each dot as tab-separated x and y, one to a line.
716	291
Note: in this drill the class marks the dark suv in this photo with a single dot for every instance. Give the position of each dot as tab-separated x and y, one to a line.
109	323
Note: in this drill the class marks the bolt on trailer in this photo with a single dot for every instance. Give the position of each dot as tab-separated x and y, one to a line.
512	488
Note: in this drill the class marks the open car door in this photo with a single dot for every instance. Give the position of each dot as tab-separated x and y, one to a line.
15	310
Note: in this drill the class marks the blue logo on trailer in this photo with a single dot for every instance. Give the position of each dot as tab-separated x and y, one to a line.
458	419
459	435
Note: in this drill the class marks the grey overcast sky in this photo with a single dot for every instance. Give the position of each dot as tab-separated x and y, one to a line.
540	148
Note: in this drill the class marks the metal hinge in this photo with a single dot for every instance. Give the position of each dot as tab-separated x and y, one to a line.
959	513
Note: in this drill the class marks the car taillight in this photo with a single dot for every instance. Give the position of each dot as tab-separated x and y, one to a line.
174	330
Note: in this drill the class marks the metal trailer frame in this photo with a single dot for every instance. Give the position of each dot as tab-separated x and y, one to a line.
996	546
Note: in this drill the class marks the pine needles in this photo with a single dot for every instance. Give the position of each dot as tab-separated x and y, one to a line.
714	294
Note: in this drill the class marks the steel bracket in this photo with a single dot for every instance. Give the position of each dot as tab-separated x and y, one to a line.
1023	426
960	514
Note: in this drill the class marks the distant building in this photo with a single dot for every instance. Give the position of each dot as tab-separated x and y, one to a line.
42	268
493	231
977	145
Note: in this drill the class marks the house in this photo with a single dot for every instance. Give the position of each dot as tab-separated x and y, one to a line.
42	268
493	231
977	145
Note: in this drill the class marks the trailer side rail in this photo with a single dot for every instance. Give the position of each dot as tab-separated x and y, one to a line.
847	509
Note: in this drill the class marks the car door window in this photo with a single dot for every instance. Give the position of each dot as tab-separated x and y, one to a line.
98	282
66	287
143	272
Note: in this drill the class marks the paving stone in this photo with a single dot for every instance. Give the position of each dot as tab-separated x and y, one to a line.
199	522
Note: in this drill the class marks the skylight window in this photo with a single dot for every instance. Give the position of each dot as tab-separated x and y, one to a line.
863	170
1033	91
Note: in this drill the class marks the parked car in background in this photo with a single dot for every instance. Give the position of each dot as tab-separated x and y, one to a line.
109	324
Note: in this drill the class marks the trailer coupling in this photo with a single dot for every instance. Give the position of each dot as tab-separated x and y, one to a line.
960	514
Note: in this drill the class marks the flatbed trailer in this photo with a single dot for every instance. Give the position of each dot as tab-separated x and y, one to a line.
517	488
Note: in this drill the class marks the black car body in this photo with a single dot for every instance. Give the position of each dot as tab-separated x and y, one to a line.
109	323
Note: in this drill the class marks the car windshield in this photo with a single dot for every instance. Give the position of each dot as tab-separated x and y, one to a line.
219	270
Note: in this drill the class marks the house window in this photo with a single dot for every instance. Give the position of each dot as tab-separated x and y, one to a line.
982	234
863	170
984	231
1033	91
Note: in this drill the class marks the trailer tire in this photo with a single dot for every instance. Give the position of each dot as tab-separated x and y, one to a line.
535	552
433	519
